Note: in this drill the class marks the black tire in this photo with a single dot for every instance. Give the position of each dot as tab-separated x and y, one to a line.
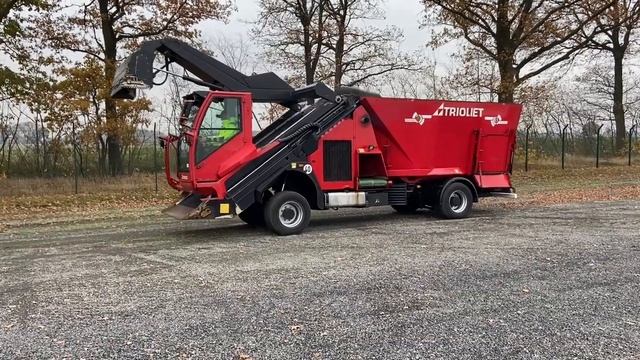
287	213
253	215
456	201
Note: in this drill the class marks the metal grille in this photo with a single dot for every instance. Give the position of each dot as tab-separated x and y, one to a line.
337	160
398	194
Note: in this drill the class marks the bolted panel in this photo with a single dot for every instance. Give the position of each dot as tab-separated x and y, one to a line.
337	160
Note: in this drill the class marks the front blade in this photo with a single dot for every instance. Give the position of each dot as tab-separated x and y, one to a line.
189	207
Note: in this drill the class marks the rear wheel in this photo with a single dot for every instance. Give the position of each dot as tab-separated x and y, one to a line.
456	201
287	213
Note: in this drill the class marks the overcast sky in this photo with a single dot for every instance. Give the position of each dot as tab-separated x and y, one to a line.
402	13
405	14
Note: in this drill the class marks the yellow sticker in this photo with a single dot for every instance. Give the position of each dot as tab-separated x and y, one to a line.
224	208
294	165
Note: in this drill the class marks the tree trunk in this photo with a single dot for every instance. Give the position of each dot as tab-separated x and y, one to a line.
507	87
45	150
114	143
618	101
506	54
102	156
337	81
341	23
11	144
37	147
308	48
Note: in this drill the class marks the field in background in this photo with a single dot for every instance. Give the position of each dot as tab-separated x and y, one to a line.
574	161
549	177
98	185
544	184
52	198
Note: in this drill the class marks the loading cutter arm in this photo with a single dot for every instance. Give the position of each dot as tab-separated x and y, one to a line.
137	72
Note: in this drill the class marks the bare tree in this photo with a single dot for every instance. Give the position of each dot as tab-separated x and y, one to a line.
11	143
360	51
292	31
617	26
331	39
170	109
403	83
9	124
474	76
233	50
599	91
523	37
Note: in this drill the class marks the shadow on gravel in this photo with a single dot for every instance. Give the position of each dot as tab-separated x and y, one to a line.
387	217
235	231
364	219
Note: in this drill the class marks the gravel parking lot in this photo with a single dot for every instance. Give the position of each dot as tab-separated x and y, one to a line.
541	282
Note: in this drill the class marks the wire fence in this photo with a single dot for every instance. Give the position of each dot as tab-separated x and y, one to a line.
534	149
570	149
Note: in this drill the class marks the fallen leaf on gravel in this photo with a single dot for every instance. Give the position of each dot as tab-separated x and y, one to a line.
242	356
296	329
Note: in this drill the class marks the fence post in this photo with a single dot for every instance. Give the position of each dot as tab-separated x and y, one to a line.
631	142
526	148
613	138
598	146
75	160
564	133
155	155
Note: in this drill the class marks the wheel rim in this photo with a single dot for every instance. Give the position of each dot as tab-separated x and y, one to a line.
290	214
458	201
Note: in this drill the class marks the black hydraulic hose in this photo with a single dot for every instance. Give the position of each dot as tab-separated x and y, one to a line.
300	131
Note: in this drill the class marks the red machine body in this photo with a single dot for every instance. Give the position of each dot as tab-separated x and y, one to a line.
406	139
416	140
380	148
331	149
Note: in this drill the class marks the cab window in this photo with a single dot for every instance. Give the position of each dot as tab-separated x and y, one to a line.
221	123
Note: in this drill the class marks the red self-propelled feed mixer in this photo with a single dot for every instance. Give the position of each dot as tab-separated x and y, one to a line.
331	149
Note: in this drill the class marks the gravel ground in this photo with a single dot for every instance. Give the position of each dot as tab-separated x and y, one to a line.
559	282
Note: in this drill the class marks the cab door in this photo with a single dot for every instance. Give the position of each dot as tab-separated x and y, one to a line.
223	132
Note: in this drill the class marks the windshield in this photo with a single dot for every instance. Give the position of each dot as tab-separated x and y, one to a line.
221	123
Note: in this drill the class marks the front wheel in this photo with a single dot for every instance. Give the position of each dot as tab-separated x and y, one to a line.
456	201
287	213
